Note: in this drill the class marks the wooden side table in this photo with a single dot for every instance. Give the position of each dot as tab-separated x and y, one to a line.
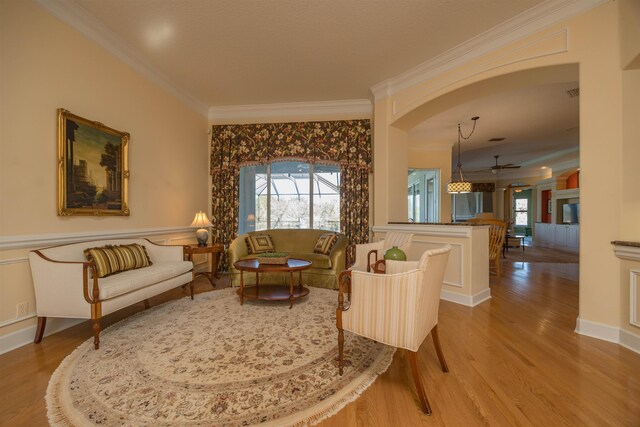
215	250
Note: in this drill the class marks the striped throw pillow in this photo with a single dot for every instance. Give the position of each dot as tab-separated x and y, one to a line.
115	259
325	243
259	243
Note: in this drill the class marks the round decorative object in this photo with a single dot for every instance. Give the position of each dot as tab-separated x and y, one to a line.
395	254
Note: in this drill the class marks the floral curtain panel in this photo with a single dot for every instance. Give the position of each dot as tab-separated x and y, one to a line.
346	142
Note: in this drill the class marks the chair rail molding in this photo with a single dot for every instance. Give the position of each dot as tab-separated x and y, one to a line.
626	250
35	240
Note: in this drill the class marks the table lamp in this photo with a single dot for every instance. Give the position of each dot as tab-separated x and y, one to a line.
201	221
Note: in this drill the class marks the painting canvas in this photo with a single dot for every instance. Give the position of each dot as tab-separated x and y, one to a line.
93	172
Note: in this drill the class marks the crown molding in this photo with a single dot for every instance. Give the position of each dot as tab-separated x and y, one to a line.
291	110
526	23
75	16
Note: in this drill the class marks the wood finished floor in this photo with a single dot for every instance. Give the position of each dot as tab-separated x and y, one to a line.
513	360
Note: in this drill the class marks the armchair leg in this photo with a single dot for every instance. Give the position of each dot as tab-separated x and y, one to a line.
436	344
340	350
42	322
191	288
413	361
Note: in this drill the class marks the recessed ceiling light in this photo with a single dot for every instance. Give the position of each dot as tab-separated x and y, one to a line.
158	35
543	167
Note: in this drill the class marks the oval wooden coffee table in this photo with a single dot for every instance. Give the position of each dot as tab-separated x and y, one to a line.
272	292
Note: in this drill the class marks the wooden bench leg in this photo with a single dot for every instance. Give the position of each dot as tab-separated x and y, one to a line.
96	333
42	322
96	315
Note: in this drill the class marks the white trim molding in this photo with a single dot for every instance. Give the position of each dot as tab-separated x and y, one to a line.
38	240
630	341
527	23
634	281
631	253
75	16
432	230
469	301
608	333
25	336
355	107
13	261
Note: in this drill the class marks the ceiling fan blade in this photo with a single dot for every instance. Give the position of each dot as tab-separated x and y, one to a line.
508	166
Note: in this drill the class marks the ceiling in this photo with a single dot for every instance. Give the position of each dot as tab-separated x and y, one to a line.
231	52
225	53
540	125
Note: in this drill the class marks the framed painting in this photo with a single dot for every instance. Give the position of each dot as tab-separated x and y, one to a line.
93	167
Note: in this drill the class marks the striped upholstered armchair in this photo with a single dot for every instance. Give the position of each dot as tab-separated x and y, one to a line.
367	254
399	308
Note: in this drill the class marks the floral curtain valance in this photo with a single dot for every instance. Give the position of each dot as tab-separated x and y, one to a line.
347	142
483	187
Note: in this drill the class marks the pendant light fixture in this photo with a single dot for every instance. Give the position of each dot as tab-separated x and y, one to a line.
457	183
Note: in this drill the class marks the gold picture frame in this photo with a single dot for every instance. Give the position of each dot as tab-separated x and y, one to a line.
93	167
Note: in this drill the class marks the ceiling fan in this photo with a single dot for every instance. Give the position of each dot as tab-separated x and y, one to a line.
497	167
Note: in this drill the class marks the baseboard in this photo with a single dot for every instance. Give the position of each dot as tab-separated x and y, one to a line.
598	330
468	300
609	333
25	336
630	340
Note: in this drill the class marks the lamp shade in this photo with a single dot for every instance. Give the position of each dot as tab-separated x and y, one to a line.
201	221
459	187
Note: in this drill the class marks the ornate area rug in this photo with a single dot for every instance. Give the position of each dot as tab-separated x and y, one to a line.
212	362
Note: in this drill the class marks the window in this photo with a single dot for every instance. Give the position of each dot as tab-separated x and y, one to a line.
423	198
466	205
289	195
522	212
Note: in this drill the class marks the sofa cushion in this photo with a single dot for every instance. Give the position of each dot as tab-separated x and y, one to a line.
324	243
114	259
259	243
317	260
131	280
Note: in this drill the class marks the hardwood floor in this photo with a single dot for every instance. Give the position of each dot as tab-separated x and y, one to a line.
513	361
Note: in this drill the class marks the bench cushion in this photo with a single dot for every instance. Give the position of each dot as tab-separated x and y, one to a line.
131	280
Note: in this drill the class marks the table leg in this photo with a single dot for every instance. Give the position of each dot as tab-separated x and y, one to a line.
300	279
215	262
257	284
241	288
290	289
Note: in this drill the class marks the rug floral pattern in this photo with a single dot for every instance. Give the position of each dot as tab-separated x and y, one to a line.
214	362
